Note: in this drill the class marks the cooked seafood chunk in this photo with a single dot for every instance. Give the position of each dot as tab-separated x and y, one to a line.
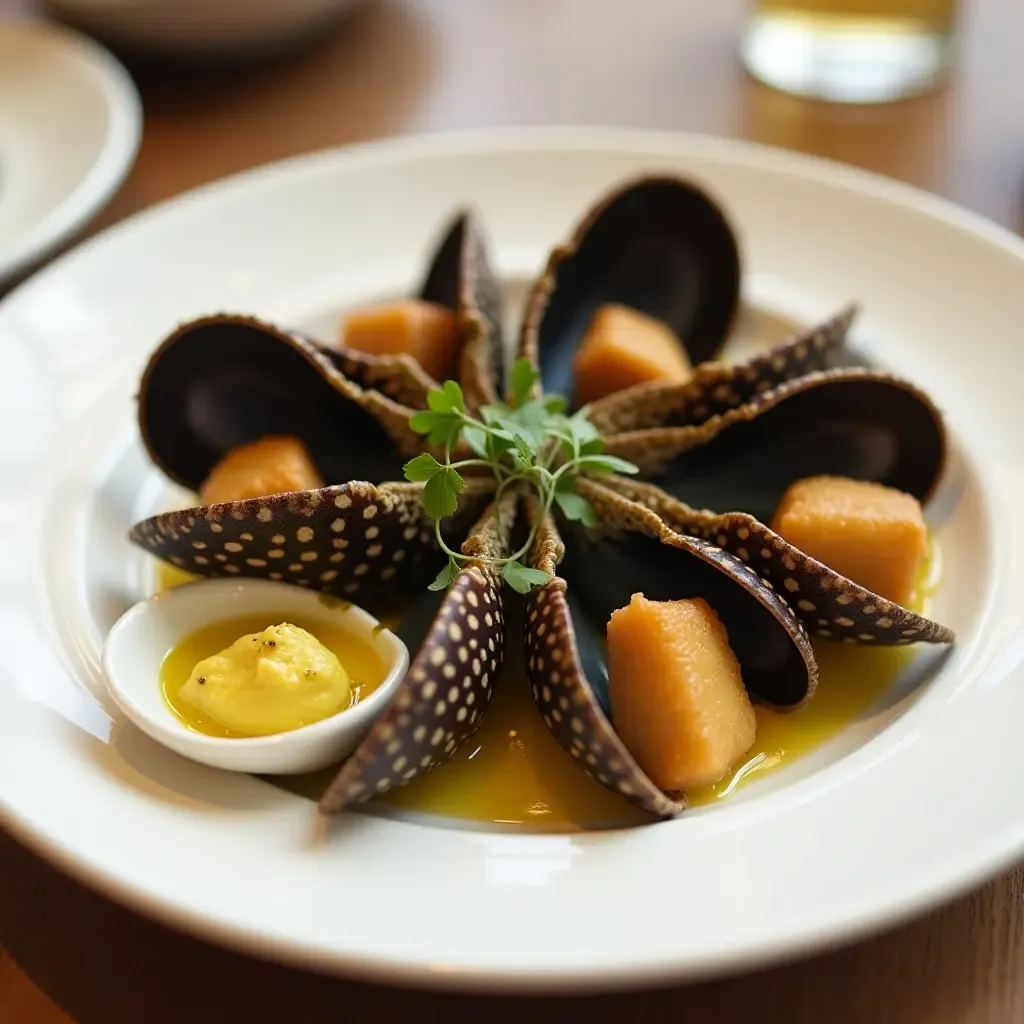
871	534
271	465
623	347
424	330
678	700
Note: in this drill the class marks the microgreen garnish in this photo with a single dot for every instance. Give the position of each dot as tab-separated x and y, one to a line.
529	442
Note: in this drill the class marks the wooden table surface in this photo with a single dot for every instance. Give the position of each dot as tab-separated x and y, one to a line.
425	65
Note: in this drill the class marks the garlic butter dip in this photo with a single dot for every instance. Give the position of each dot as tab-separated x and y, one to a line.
267	682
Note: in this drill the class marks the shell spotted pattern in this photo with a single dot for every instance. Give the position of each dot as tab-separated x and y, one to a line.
830	605
442	699
347	540
558	683
619	512
570	709
827	603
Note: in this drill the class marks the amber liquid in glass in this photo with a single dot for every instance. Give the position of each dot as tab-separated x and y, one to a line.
865	51
927	15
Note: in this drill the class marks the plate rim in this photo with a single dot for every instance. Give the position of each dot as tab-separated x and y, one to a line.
570	137
113	163
969	872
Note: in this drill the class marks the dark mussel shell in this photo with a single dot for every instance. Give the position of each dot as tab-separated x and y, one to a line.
856	423
634	551
223	381
864	424
718	387
365	542
766	592
658	244
828	604
451	679
463	279
460	278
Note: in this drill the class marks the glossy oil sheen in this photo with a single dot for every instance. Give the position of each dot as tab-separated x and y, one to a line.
512	773
364	665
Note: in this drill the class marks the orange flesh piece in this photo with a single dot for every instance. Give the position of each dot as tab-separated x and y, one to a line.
424	330
272	465
871	534
678	700
623	347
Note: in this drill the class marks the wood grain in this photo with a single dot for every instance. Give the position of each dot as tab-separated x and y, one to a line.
425	65
961	965
21	1000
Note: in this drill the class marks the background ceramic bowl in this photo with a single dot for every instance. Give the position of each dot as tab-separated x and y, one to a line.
184	26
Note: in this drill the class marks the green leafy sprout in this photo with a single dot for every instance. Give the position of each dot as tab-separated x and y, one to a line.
529	442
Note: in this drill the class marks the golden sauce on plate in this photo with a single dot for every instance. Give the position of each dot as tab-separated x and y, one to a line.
364	665
512	772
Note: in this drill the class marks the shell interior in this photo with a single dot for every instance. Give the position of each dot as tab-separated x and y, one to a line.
567	672
827	603
659	245
223	381
462	278
634	551
857	423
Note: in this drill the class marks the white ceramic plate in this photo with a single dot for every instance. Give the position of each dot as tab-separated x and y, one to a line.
919	800
70	121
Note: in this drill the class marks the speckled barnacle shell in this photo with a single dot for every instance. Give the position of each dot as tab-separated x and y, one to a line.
635	551
451	679
864	424
718	387
827	603
460	278
659	244
564	694
361	541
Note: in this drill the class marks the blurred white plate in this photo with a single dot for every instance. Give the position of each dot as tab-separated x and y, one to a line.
910	805
70	122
